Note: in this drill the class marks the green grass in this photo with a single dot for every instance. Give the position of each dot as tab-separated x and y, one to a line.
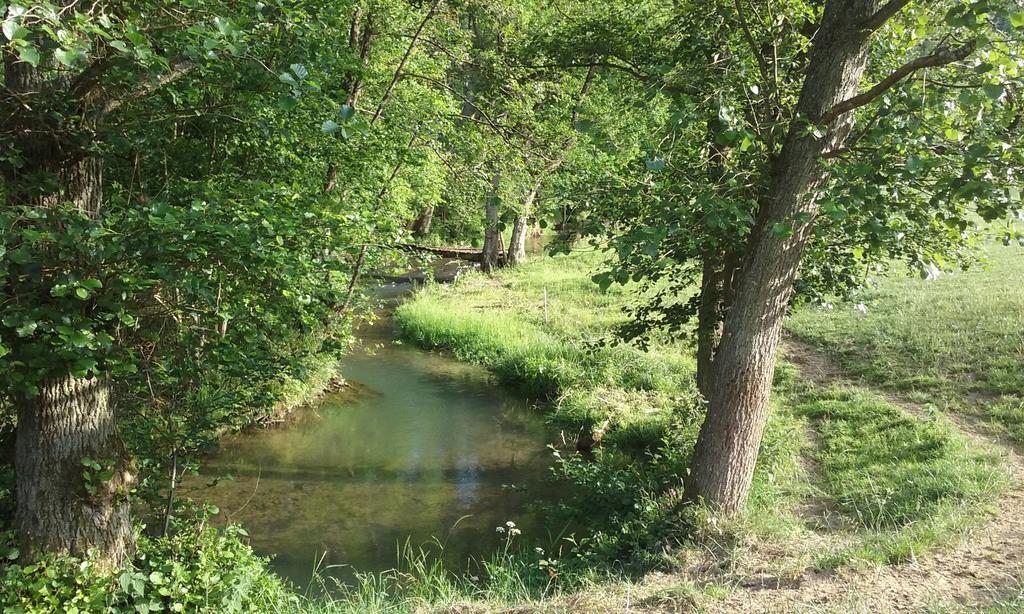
902	485
499	322
910	483
956	342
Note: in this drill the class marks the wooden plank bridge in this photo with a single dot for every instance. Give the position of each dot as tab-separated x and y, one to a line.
461	253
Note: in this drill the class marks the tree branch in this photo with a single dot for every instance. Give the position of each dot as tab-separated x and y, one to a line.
626	68
401	64
883	15
178	69
940	57
762	64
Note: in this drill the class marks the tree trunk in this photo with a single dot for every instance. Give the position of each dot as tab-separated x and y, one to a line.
744	364
492	235
69	418
421	227
517	242
59	511
709	324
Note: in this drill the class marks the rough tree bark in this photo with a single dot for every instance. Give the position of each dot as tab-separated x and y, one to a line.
517	242
421	227
70	418
744	362
492	234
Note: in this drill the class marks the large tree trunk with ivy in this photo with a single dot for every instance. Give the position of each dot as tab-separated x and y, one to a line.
72	478
68	419
743	363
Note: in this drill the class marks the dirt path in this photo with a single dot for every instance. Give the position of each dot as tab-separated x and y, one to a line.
986	565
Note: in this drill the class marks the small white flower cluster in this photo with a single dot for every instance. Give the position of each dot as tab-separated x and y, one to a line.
509	527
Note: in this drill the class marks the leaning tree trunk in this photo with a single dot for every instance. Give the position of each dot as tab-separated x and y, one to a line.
744	363
70	418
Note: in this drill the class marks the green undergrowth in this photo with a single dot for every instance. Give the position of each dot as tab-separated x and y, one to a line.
629	395
902	484
956	342
197	570
899	485
641	404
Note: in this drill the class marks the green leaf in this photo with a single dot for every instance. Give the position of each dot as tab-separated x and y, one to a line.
328	127
782	230
1017	19
67	57
994	90
13	30
79	339
346	112
29	55
287	103
82	293
655	164
223	25
3	351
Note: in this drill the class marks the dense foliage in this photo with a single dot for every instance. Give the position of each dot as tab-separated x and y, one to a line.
195	193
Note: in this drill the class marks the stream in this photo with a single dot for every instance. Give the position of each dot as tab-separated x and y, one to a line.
419	448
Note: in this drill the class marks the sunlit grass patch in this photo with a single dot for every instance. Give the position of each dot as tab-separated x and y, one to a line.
956	342
909	483
500	323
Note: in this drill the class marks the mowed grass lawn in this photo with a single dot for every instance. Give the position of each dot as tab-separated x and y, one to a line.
956	342
902	484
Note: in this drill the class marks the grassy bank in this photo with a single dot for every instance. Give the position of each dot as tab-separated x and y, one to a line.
889	486
500	322
956	342
843	475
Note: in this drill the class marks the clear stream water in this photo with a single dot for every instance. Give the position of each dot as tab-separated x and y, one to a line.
423	447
